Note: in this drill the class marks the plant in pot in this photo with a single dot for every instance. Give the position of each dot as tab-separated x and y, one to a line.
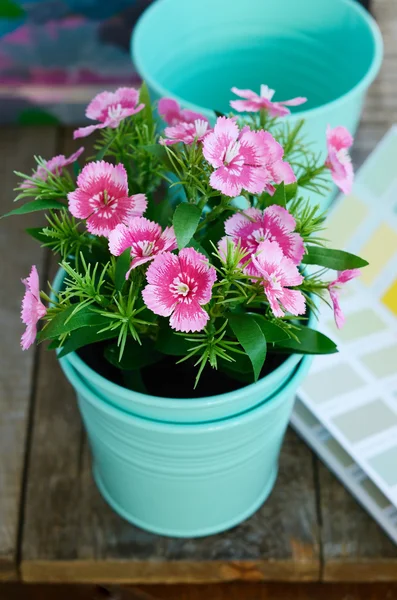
182	312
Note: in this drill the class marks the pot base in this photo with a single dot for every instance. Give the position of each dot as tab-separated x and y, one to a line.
189	533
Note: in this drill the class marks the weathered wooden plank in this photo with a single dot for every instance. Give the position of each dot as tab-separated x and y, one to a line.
225	591
71	535
18	252
354	546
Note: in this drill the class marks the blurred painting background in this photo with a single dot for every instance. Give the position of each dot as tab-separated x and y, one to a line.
56	54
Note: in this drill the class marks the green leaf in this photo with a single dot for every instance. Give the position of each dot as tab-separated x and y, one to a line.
279	196
35	206
251	337
123	263
309	341
10	10
144	98
132	380
290	190
37	234
103	151
135	356
63	322
171	344
332	259
54	344
272	332
218	113
76	168
240	370
185	221
83	337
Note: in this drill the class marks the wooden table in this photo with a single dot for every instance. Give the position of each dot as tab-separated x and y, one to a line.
54	526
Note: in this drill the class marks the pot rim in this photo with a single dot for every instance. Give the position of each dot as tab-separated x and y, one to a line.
361	85
174	403
249	415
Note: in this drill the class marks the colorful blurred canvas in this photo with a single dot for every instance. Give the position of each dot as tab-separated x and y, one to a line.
56	54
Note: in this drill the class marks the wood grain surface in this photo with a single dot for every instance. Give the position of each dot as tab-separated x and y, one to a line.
18	252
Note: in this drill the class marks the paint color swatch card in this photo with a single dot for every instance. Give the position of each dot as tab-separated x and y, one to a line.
344	467
353	394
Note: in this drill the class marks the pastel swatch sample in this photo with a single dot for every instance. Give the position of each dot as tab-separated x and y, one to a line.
383	362
328	383
389	299
378	250
359	324
345	220
385	464
364	421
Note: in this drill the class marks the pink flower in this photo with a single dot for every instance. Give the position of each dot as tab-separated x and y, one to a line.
145	238
185	132
102	198
333	288
254	103
54	166
275	223
339	140
110	108
178	287
278	273
245	159
32	308
170	111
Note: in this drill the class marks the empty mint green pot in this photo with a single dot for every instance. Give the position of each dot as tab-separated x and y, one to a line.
328	51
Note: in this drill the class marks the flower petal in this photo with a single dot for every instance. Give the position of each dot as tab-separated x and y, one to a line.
294	101
236	224
282	171
227	181
119	239
83	132
196	266
244	93
158	300
293	301
189	317
338	314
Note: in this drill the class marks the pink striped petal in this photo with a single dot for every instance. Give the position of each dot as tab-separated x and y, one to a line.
189	317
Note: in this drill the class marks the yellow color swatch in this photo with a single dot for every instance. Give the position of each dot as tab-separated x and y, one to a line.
344	221
378	250
390	298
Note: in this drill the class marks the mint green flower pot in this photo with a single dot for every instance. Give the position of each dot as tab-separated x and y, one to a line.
184	467
329	51
180	479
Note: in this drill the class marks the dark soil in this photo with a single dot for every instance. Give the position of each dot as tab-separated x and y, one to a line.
167	379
